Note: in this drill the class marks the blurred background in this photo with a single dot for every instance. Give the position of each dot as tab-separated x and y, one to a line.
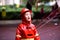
10	9
46	16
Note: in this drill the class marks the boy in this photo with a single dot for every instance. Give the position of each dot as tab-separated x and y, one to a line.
26	30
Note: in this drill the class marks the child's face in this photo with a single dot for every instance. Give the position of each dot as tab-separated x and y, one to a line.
28	16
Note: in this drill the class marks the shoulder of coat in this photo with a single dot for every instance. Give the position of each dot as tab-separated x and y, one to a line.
32	25
21	25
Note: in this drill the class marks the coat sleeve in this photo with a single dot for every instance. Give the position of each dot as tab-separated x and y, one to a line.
18	33
37	37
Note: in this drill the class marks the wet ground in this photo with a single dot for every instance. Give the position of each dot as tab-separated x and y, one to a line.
47	32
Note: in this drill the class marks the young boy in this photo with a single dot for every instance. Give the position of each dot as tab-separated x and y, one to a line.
26	30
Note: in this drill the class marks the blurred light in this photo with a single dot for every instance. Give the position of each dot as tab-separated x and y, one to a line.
58	2
41	3
51	3
55	23
17	1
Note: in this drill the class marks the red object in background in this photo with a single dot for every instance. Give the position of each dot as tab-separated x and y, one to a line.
42	10
26	30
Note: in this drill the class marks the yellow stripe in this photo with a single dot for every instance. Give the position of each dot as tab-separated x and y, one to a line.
28	39
18	36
